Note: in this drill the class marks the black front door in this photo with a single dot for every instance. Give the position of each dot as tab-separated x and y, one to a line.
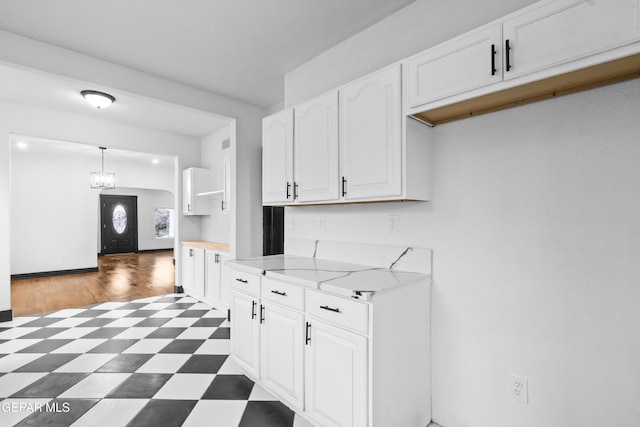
119	224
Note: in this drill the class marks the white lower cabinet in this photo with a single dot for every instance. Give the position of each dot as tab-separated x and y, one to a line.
193	270
336	361
216	290
336	375
205	276
282	353
245	333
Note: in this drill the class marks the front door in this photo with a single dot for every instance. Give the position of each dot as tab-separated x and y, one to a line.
119	224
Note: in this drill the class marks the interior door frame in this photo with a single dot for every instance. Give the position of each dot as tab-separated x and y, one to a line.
133	218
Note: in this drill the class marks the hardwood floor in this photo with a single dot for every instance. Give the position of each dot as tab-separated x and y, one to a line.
121	277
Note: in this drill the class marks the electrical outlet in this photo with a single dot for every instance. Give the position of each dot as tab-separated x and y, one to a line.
394	223
320	221
290	222
518	389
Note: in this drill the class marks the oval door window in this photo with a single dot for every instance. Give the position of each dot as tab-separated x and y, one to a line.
119	219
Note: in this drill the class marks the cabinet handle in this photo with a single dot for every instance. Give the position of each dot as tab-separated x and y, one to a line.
242	280
190	252
507	50
493	60
222	205
335	310
282	294
216	258
307	334
344	186
262	310
188	207
288	190
253	309
295	190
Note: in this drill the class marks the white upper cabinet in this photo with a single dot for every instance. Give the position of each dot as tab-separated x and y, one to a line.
567	30
371	136
226	181
551	48
464	63
277	158
196	181
316	150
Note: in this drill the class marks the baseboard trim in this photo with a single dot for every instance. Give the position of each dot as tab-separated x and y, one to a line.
178	290
6	315
142	251
53	273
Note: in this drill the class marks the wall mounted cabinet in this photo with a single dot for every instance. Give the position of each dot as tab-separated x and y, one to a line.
551	48
350	145
196	181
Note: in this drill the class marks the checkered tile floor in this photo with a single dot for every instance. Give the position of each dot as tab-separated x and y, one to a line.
160	361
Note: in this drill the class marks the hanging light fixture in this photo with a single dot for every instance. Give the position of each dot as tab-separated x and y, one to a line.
98	99
103	180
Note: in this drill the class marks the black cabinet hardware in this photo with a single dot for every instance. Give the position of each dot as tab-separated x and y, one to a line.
493	60
188	207
222	205
295	190
307	334
507	52
253	309
288	190
344	186
335	310
282	294
229	314
216	258
242	280
262	313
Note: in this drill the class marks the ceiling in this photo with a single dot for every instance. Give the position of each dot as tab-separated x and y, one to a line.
49	91
237	48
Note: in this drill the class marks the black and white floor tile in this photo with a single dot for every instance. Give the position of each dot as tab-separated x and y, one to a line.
160	361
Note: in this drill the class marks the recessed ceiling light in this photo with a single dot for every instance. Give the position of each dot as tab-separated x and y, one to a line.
98	99
155	161
22	145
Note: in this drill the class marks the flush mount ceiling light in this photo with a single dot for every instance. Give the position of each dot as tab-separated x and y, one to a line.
103	180
98	99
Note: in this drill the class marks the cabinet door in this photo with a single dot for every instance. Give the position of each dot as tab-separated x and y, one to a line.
371	137
226	181
225	288
281	353
187	269
336	376
245	333
464	63
198	271
187	191
567	30
277	158
316	149
212	279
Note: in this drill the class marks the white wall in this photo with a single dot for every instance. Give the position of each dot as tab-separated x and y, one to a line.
534	226
215	227
148	201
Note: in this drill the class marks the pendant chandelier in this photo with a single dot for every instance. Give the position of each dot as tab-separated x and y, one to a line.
103	180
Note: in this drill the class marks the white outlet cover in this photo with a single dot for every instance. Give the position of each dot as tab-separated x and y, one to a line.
518	389
321	223
394	223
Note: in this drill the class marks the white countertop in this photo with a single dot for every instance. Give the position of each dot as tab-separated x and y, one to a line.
330	276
